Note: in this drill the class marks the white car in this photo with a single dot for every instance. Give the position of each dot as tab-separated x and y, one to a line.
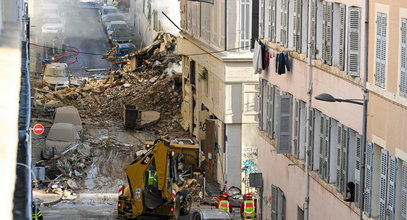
70	115
59	138
105	10
106	19
113	25
56	76
52	24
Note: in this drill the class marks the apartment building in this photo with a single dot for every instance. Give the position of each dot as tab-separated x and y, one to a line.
337	54
386	173
219	87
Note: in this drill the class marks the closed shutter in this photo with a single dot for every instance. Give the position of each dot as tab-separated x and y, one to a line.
261	100
267	108
284	22
261	19
403	57
280	205
357	169
327	11
313	27
327	148
274	199
344	159
403	200
297	25
338	159
383	184
276	111
296	136
369	173
354	41
271	111
245	24
284	127
272	20
381	35
342	34
392	188
310	139
321	145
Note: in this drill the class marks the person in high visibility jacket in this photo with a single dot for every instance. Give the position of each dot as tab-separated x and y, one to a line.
224	204
36	213
248	207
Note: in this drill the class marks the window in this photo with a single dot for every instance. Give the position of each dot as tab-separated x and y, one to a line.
299	128
324	136
391	193
403	59
381	37
272	20
338	43
297	17
383	184
283	132
277	204
354	41
313	27
262	18
403	189
284	22
270	94
192	73
327	13
250	99
245	24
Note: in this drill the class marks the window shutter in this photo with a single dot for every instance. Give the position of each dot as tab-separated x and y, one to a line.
284	127
328	33
368	188
261	19
381	36
403	57
342	11
296	128
276	111
310	139
338	159
273	20
284	22
324	27
274	199
271	111
321	145
261	100
267	107
313	26
344	159
354	41
297	25
392	188
383	184
327	148
357	169
245	22
403	209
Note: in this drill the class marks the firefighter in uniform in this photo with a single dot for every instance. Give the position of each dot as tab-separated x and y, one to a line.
224	204
248	207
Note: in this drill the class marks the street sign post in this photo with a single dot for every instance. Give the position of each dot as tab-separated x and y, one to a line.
38	129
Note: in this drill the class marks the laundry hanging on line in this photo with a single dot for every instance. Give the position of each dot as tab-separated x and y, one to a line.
282	63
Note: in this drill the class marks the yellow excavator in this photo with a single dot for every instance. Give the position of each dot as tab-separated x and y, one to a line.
154	182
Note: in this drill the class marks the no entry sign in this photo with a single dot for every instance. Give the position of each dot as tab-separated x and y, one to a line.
38	129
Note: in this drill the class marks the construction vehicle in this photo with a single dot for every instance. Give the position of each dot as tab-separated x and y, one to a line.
154	182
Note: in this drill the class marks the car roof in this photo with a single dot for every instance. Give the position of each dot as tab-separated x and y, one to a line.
118	22
62	132
67	114
127	45
214	214
56	65
108	7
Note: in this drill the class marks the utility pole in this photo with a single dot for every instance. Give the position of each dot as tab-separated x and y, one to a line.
309	99
364	119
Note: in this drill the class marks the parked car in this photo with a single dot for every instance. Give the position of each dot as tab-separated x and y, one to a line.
69	114
60	137
89	5
121	51
106	19
56	76
115	24
215	214
121	35
108	9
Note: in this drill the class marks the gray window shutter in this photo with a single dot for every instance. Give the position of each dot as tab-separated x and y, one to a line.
276	111
321	145
265	104
313	6
381	37
284	22
383	184
261	100
274	199
327	148
392	188
284	126
296	136
357	169
338	159
344	159
281	205
310	138
327	11
369	173
297	25
354	41
403	200
261	19
270	121
273	20
403	57
267	108
342	11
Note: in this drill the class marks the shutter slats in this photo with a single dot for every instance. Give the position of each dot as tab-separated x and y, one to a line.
403	57
392	188
284	23
383	184
344	159
354	41
297	25
284	127
342	10
403	200
368	188
296	136
274	197
357	169
313	26
273	20
328	39
381	38
338	158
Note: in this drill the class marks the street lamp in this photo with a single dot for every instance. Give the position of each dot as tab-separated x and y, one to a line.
329	98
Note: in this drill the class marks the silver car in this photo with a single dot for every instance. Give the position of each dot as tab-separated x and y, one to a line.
201	214
60	137
56	76
70	115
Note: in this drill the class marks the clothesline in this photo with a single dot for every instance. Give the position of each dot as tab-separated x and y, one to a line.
262	56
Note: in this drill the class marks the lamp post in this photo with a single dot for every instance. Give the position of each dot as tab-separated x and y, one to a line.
329	98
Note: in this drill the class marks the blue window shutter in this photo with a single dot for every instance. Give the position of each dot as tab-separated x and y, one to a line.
403	202
392	188
369	173
284	127
383	184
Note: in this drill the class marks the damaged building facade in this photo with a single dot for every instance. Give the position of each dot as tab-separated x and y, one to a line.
219	88
338	34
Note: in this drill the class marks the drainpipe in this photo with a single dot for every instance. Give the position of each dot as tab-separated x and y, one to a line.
364	120
308	124
226	25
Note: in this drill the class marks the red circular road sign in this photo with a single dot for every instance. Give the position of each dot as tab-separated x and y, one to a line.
38	129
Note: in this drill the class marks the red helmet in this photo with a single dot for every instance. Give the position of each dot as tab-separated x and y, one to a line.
249	196
225	195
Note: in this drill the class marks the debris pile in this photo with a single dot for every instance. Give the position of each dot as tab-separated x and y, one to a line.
195	186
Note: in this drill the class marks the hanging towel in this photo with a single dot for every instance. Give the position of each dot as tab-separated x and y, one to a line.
257	61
